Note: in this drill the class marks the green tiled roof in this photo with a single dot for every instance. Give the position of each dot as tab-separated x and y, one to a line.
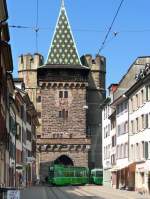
63	49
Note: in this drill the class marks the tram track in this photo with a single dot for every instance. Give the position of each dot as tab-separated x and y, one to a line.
57	193
115	195
71	192
86	194
69	195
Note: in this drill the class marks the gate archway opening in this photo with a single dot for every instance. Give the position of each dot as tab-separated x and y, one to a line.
65	160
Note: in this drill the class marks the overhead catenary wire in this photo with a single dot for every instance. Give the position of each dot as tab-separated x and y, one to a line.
82	30
110	28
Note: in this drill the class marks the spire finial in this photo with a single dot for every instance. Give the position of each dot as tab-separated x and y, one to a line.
62	3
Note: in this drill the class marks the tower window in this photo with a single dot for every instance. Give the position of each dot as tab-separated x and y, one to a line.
66	114
39	114
66	94
63	114
60	94
21	59
63	94
38	99
60	113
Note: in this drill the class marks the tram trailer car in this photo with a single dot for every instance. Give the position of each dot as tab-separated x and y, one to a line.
96	176
68	175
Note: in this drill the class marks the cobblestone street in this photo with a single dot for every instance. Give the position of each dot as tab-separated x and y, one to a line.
78	192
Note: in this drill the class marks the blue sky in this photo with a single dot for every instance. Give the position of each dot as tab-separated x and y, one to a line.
89	20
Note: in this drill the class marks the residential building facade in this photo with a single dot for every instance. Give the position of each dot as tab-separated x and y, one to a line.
131	116
139	125
109	138
5	66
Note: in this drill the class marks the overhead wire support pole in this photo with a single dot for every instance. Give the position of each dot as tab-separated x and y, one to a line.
37	25
108	32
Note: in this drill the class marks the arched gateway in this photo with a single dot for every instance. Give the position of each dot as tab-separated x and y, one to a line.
65	160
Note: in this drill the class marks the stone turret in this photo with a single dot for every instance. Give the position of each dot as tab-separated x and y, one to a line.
95	97
98	70
27	70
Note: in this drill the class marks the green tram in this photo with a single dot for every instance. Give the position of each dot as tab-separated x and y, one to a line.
68	175
96	176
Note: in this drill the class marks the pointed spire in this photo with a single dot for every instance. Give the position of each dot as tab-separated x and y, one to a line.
62	3
63	50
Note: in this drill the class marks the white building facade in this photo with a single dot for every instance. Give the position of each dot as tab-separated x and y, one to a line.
139	120
129	139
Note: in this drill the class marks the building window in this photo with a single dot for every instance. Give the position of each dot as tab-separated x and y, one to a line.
118	152
60	94
65	94
28	135
137	125
63	114
137	151
106	132
39	114
38	99
142	122
148	93
125	106
113	161
126	127
142	97
66	116
60	113
121	151
118	130
137	101
113	140
106	112
108	129
126	150
146	121
131	104
132	126
143	150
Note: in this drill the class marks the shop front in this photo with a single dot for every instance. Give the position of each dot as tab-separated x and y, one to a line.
142	177
131	176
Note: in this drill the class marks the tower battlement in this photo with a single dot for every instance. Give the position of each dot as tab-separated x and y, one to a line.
30	62
97	67
96	64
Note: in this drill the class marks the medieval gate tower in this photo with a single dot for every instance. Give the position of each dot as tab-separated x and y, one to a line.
59	89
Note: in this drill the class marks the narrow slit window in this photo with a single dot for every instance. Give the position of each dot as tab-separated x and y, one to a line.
66	94
60	94
66	116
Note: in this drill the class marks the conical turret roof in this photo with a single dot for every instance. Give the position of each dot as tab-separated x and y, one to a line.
63	49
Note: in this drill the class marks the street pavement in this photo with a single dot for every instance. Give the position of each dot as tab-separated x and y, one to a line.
78	192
